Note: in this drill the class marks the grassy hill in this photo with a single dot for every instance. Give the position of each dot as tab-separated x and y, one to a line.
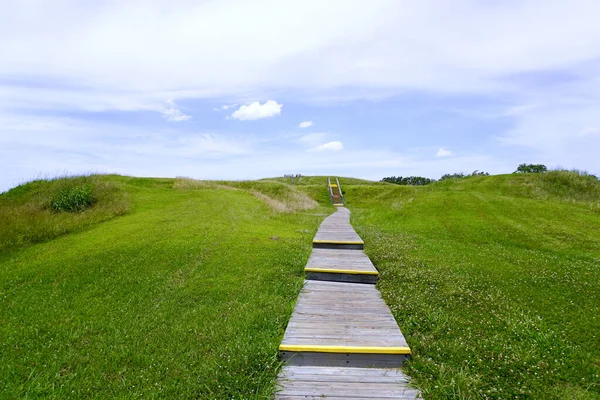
495	281
185	295
175	288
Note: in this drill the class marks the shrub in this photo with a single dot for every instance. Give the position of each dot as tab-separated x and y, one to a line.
531	168
28	212
408	180
458	175
72	199
461	175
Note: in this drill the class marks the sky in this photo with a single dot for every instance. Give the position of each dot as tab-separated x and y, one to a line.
238	89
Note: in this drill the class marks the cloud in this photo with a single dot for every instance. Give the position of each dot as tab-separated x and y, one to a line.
442	152
369	48
305	124
256	110
330	146
170	113
313	139
225	107
589	130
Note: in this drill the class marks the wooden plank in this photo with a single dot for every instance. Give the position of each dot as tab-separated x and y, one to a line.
335	229
339	259
322	309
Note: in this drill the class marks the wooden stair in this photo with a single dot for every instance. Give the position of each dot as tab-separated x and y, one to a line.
342	341
336	195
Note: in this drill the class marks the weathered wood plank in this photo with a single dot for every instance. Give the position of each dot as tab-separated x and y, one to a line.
335	230
341	265
347	383
357	322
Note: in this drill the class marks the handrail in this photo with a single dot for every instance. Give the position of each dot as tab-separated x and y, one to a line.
340	190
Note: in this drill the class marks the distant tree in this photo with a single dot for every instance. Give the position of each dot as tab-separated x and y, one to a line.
531	168
458	175
408	180
461	175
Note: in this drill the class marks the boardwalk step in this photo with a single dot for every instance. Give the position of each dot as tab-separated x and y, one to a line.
297	382
340	266
342	324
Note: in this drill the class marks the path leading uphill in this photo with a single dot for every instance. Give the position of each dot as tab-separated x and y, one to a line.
342	340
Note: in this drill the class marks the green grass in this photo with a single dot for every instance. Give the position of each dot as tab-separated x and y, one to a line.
44	209
495	281
186	295
176	288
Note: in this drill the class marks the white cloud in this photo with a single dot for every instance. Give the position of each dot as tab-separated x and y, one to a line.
173	114
256	110
369	48
589	130
330	146
225	107
313	139
442	152
305	124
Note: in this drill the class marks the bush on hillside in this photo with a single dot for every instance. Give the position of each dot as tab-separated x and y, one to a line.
408	180
72	199
531	168
461	175
43	209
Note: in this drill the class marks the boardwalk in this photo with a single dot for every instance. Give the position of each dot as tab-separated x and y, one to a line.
342	340
337	233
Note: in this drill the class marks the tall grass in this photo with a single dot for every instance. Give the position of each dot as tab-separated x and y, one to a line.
35	211
573	185
279	196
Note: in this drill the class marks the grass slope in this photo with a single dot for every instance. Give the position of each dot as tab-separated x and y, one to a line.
495	281
185	296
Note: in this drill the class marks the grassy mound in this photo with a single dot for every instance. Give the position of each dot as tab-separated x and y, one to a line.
185	296
495	281
280	196
44	209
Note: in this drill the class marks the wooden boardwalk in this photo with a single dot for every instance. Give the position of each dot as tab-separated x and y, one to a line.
342	340
336	232
341	266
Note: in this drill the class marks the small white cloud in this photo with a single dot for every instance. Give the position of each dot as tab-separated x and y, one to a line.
313	139
589	130
224	107
305	124
173	114
256	110
442	152
330	146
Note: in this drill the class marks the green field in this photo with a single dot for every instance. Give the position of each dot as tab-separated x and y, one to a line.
185	296
495	281
174	288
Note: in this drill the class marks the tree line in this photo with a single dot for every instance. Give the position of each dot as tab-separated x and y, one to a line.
421	181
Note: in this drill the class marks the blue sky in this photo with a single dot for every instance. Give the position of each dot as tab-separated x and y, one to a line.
249	89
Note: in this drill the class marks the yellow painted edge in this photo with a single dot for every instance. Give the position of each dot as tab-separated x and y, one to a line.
344	349
337	242
333	185
338	204
341	271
